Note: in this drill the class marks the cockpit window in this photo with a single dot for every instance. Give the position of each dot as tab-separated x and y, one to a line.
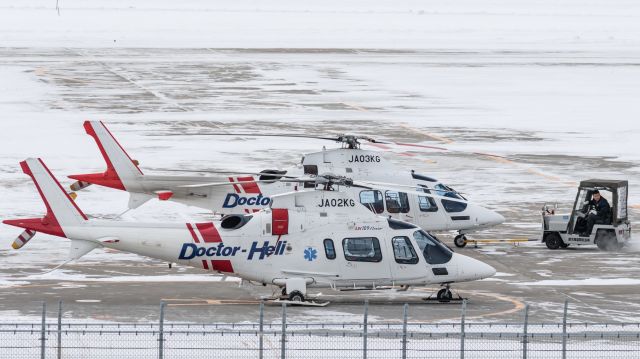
453	206
372	200
397	202
434	252
446	191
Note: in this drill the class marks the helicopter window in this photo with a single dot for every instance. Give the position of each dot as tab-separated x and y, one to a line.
372	200
427	204
434	252
446	191
364	249
453	206
397	202
403	251
329	249
310	170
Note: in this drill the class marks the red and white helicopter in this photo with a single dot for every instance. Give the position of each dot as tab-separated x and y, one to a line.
401	194
302	239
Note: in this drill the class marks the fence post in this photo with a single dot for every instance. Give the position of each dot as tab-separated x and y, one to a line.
405	311
161	331
462	320
42	331
524	338
564	329
365	329
261	339
284	331
60	329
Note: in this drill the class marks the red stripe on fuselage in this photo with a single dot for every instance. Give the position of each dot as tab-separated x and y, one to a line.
235	186
249	187
222	265
209	232
193	233
205	264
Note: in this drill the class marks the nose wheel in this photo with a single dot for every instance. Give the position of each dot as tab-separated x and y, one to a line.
460	241
444	295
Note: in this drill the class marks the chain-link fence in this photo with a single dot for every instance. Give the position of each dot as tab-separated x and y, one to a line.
56	339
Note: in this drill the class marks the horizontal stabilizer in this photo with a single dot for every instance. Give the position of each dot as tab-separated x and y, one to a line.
80	247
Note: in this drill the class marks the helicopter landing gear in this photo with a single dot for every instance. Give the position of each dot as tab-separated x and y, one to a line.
460	241
294	292
445	295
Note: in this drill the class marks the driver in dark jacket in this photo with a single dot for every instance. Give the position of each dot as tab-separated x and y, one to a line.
600	212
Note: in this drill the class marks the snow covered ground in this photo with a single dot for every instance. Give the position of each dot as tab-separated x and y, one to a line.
553	86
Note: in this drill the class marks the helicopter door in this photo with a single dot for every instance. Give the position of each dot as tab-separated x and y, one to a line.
364	262
405	259
426	213
397	204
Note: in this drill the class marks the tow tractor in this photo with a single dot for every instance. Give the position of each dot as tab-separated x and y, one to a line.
611	233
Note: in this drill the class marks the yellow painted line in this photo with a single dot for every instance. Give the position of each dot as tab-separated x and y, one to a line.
205	302
428	160
517	305
354	106
498	240
40	71
428	134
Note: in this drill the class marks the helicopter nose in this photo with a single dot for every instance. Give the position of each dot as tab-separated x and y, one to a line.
491	218
478	269
496	218
470	269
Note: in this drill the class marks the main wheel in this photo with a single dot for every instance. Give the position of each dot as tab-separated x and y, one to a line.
444	295
460	241
553	241
296	296
606	241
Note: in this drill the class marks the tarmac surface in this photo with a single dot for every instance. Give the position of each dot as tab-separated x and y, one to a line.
151	96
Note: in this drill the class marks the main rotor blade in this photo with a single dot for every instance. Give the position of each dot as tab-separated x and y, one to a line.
215	184
337	139
415	189
234	173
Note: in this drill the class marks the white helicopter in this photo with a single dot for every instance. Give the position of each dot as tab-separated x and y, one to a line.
403	195
301	240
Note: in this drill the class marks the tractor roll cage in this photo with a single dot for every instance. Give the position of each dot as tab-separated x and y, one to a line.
619	195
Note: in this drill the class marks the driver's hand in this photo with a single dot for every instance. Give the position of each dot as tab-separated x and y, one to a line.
593	211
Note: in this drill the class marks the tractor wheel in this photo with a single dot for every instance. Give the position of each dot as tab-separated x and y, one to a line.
296	296
460	241
606	240
553	241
